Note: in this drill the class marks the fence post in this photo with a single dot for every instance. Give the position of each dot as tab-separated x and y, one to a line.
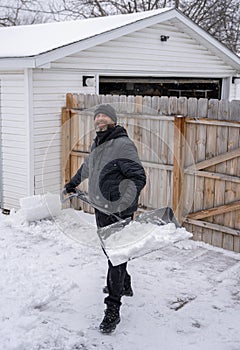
66	146
178	165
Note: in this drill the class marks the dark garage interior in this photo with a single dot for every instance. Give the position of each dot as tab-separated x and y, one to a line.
187	87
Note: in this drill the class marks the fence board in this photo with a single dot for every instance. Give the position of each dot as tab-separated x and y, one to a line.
221	141
202	107
212	111
209	183
234	110
190	160
231	187
146	140
173	106
192	107
223	112
163	105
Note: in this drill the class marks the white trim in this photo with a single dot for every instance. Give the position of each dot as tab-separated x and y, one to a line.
28	97
237	88
225	94
97	84
17	62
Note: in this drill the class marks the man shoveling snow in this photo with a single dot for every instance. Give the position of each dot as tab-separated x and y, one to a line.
116	178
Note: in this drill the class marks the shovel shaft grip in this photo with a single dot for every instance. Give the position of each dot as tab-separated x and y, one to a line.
82	196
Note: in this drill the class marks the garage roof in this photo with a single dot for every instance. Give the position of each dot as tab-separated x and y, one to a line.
39	44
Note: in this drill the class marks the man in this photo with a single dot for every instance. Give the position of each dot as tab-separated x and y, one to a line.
116	178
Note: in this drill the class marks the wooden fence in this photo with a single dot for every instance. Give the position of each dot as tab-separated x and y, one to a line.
190	150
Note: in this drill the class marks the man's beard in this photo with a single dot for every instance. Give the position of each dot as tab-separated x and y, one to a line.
104	127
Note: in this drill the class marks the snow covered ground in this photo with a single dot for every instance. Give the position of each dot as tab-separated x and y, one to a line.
187	295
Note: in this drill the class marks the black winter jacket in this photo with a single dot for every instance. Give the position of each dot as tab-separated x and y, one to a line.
116	175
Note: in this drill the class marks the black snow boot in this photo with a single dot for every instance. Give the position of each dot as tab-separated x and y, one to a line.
111	318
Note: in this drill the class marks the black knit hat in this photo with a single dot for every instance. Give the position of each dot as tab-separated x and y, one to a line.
108	110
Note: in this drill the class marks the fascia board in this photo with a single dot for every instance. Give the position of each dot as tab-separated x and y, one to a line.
17	62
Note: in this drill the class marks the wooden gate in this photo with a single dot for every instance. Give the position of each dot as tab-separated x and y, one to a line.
215	177
192	163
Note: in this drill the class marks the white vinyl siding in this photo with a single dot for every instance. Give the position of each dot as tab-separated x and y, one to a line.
13	139
142	53
49	96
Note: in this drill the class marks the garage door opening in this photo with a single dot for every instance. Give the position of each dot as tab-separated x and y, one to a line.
198	88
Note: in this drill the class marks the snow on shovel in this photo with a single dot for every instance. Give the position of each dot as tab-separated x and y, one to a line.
40	207
126	239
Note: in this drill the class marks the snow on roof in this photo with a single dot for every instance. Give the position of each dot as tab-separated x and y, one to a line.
31	40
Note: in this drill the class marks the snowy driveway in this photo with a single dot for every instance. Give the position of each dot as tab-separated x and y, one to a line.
187	296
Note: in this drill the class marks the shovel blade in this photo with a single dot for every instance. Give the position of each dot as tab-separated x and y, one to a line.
160	216
107	231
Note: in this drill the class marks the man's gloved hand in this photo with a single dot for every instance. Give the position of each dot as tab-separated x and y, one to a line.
69	188
122	207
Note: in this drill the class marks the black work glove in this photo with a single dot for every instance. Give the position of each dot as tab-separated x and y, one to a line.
122	207
69	188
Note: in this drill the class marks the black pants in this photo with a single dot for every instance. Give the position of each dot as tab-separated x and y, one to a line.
117	276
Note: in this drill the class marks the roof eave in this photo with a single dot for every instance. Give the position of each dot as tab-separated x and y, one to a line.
17	62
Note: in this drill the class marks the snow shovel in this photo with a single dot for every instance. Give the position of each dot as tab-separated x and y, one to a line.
128	239
156	217
161	216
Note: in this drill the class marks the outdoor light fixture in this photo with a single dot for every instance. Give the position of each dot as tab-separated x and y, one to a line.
88	80
234	78
164	37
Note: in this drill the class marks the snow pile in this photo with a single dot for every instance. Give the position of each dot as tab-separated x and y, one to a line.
76	225
137	239
40	206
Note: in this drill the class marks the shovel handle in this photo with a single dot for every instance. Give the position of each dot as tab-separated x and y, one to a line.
63	193
83	197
